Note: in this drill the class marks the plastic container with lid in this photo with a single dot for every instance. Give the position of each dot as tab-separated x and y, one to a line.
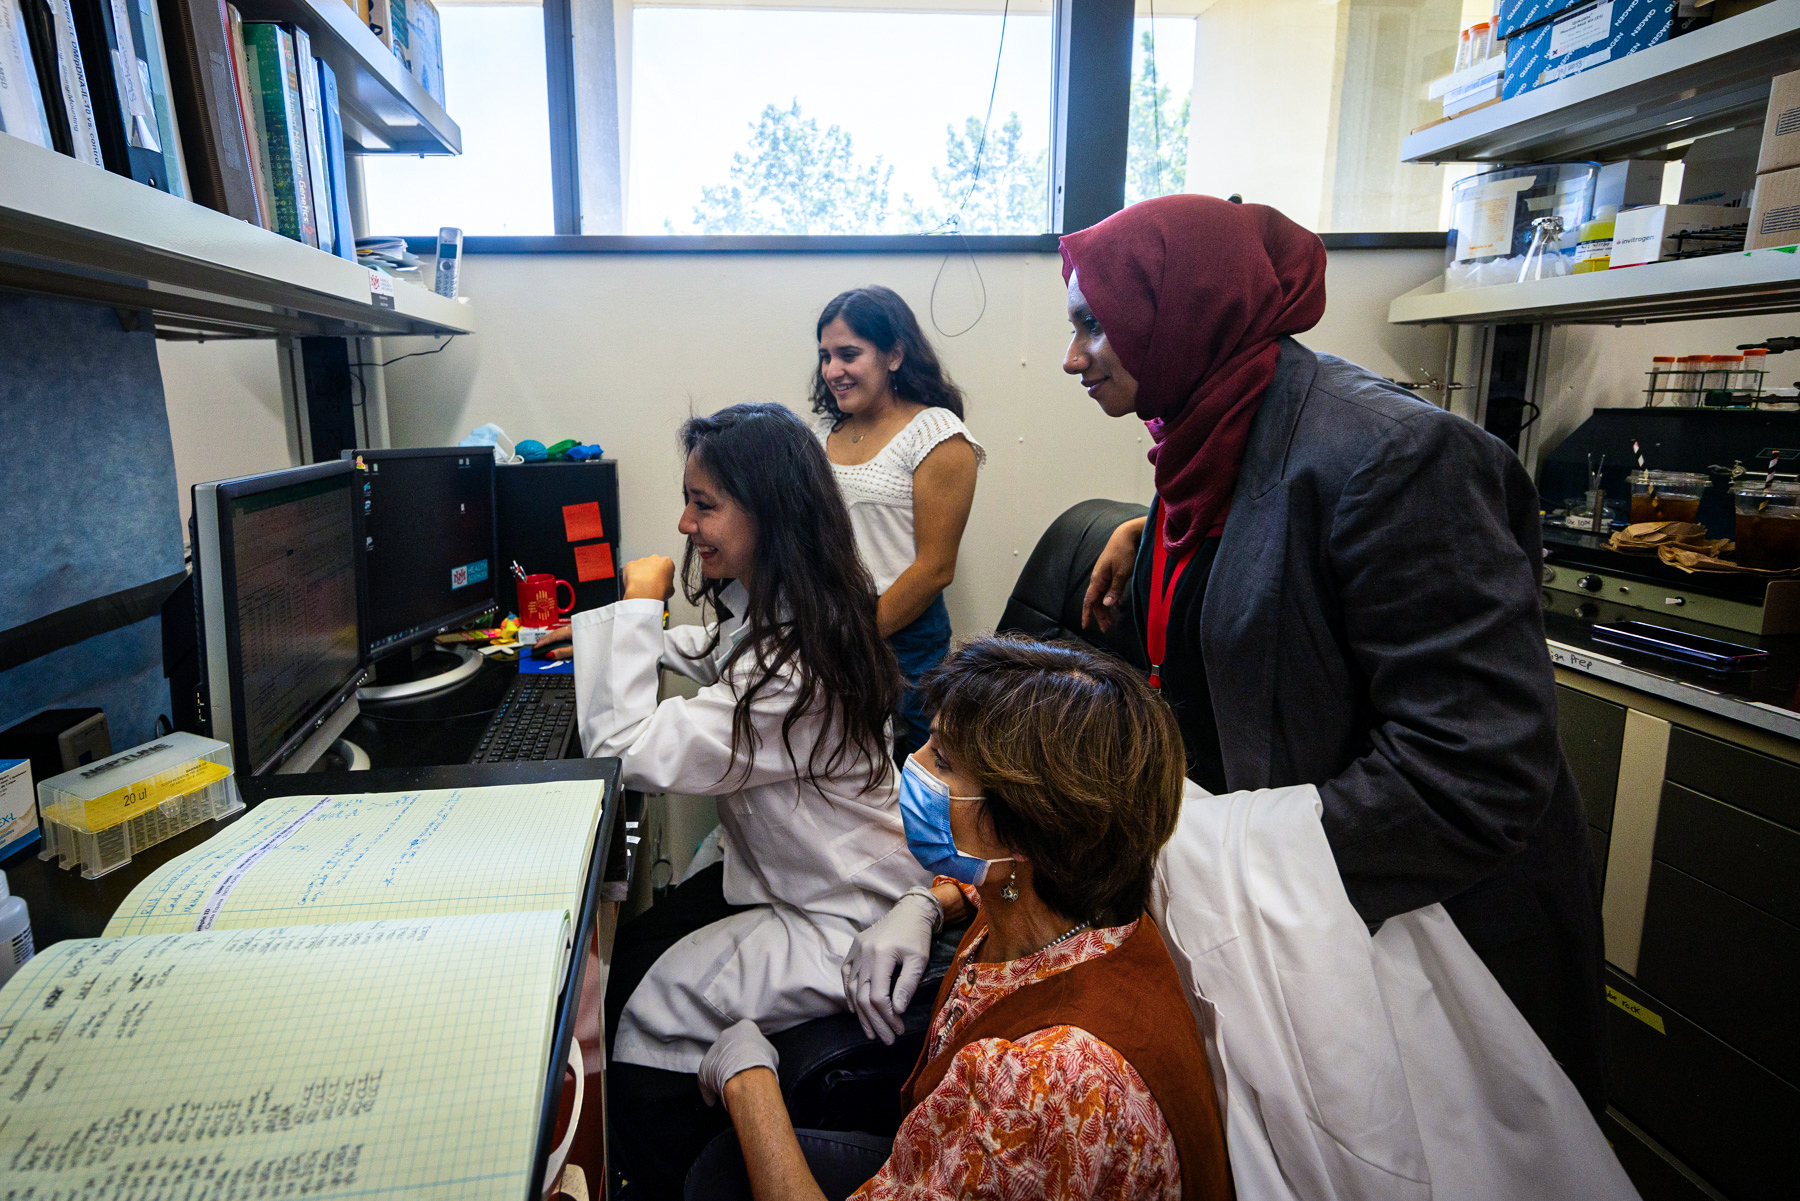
1666	495
1492	216
1593	250
1687	374
1755	372
1768	522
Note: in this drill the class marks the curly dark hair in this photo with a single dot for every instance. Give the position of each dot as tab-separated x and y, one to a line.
1079	762
878	315
812	602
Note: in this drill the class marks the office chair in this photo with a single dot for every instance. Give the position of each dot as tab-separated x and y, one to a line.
832	1077
1046	599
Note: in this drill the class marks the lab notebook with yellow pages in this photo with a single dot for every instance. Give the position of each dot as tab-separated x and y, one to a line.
336	996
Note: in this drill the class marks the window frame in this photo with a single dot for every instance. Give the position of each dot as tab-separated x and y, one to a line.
1090	98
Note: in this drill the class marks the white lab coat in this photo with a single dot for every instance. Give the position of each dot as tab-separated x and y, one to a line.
1353	1068
819	864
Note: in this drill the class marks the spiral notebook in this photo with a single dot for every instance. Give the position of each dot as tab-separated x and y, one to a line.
335	997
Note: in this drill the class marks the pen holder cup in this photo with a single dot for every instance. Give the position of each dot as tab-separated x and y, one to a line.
538	600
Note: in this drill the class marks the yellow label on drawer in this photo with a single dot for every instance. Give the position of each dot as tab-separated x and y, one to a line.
104	812
1652	1020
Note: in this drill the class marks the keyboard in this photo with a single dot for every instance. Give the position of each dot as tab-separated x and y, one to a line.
534	721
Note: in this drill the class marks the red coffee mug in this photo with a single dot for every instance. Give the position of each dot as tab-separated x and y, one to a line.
537	600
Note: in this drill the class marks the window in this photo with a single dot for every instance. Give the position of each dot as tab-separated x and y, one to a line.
1299	104
494	89
828	118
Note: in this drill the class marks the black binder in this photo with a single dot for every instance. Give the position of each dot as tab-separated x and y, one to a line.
100	45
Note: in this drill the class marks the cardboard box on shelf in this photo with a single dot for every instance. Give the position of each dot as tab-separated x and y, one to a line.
1775	217
1721	168
1629	184
1583	38
1647	235
1780	148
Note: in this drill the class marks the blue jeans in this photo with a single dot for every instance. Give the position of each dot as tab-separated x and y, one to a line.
920	647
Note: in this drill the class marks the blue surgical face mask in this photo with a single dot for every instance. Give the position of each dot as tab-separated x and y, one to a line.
925	809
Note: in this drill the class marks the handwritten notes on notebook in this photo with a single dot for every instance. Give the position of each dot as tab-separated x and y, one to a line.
360	1059
319	859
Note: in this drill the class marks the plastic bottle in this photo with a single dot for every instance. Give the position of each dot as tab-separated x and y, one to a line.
1756	370
15	932
1663	381
1593	252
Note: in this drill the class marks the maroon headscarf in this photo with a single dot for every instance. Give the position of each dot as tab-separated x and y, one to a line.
1192	292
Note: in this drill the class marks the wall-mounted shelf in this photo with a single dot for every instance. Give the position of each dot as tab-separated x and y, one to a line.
384	108
69	229
1744	284
1711	79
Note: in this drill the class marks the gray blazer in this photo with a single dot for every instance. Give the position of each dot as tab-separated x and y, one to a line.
1372	625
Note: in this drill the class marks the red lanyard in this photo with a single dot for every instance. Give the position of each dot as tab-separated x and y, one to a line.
1162	597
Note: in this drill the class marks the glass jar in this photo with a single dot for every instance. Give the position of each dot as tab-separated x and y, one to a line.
1666	495
1768	522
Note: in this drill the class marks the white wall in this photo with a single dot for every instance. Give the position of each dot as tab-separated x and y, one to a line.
225	410
619	349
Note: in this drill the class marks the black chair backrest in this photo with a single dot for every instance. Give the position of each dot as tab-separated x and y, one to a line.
1046	600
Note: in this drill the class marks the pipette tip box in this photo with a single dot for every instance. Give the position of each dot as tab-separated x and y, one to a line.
97	816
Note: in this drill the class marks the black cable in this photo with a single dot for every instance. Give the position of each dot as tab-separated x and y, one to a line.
448	338
954	221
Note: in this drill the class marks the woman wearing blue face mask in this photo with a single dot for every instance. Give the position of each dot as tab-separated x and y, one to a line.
1062	1059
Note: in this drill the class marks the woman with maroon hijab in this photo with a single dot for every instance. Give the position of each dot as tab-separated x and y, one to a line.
1337	585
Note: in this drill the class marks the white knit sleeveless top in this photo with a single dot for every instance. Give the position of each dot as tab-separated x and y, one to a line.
879	493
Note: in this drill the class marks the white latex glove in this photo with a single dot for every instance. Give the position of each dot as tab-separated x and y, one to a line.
739	1049
899	942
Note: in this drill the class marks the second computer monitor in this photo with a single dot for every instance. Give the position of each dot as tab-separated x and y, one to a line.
425	536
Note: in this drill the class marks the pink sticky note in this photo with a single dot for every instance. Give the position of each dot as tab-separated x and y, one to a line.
582	522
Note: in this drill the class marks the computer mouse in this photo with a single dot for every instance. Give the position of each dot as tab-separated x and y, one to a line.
541	651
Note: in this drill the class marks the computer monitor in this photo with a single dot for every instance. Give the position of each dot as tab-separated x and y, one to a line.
425	545
275	565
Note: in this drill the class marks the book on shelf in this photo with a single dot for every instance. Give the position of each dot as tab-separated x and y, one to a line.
348	995
113	51
154	73
381	22
275	88
251	109
313	126
425	37
22	112
344	243
203	87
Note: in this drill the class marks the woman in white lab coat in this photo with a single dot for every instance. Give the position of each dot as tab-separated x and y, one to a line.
788	730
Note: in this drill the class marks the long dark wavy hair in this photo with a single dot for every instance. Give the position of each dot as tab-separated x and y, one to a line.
812	603
878	315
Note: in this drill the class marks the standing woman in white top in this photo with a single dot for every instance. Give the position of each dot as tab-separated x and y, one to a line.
891	422
789	729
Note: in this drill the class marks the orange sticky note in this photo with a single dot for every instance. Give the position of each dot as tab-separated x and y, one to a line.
581	522
594	562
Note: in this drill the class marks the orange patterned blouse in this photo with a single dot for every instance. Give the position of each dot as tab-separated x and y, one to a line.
1057	1115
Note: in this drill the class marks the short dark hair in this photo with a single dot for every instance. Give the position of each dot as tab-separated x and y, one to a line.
1080	765
878	315
812	602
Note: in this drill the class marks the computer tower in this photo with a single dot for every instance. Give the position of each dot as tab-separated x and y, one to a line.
561	519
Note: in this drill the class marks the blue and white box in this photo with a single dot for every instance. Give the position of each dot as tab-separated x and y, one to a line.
1584	38
1516	16
18	807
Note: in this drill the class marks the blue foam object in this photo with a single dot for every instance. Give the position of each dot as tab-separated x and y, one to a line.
531	450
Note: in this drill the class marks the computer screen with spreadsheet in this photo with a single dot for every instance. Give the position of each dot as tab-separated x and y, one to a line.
276	563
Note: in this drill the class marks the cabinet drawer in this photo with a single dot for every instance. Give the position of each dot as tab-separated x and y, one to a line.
1592	732
1649	1164
1730	968
1753	859
1727	1119
1750	780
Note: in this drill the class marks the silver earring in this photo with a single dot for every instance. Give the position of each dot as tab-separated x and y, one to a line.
1009	891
